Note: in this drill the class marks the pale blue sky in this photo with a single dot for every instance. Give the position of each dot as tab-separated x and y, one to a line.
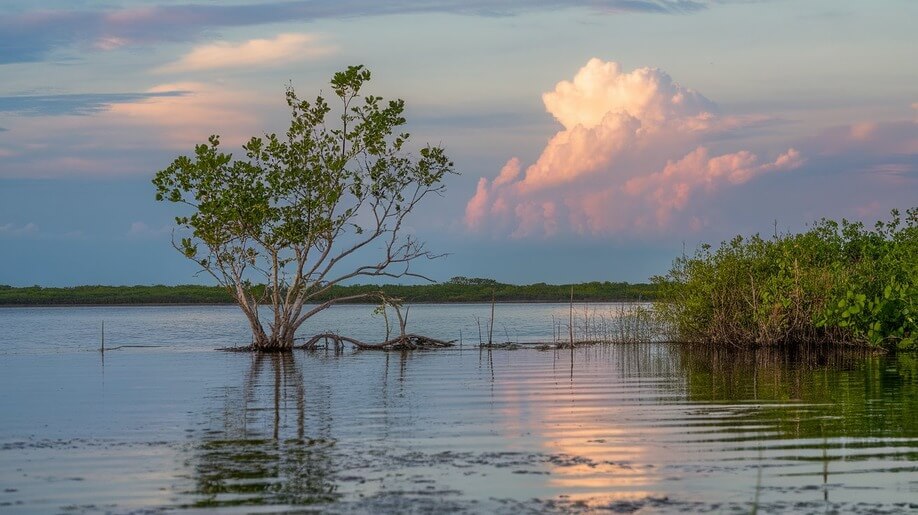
815	112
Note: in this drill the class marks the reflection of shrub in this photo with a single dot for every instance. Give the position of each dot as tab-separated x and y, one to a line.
809	392
836	283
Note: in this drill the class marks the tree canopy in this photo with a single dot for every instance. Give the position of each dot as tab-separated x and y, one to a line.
277	227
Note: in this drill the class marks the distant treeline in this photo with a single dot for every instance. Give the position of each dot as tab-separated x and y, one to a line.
457	289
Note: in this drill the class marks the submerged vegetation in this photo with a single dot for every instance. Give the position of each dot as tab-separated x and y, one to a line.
837	283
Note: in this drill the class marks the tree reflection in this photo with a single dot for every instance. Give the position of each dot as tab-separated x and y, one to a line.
256	449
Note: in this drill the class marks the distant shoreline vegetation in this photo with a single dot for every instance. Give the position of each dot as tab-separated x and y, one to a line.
456	290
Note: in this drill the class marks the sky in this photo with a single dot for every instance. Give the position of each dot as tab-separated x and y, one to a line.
595	139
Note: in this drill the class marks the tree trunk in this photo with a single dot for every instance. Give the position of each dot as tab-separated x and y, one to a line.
281	339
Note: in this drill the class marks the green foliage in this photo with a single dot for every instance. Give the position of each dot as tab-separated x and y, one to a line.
472	281
442	292
295	206
482	290
113	295
835	283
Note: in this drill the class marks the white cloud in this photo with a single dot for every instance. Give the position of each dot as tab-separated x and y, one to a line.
631	157
646	94
142	230
11	229
254	53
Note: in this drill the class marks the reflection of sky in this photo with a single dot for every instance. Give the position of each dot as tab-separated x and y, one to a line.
587	424
488	425
83	133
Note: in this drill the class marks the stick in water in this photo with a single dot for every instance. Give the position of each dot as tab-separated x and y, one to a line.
491	328
570	322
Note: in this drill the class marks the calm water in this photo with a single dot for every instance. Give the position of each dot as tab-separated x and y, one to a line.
170	425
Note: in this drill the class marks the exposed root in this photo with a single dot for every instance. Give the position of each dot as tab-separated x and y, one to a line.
404	342
249	348
504	345
417	342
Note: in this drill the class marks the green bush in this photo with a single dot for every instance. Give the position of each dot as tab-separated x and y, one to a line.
835	283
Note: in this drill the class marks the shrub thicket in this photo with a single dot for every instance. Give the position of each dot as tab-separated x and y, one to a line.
835	283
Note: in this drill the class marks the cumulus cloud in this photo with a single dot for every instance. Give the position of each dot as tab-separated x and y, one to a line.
646	94
477	208
631	156
254	53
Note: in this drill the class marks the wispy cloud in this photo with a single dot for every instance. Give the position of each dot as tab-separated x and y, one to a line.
11	229
869	138
192	117
33	35
73	104
631	157
131	137
254	53
141	230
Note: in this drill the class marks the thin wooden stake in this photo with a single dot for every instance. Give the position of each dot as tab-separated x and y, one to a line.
491	328
570	324
103	336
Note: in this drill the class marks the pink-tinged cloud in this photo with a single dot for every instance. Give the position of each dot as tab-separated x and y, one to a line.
536	218
508	173
671	189
34	34
631	157
107	43
477	208
202	110
135	136
254	53
662	200
870	138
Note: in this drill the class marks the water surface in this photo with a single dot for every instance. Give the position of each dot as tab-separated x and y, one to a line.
169	424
